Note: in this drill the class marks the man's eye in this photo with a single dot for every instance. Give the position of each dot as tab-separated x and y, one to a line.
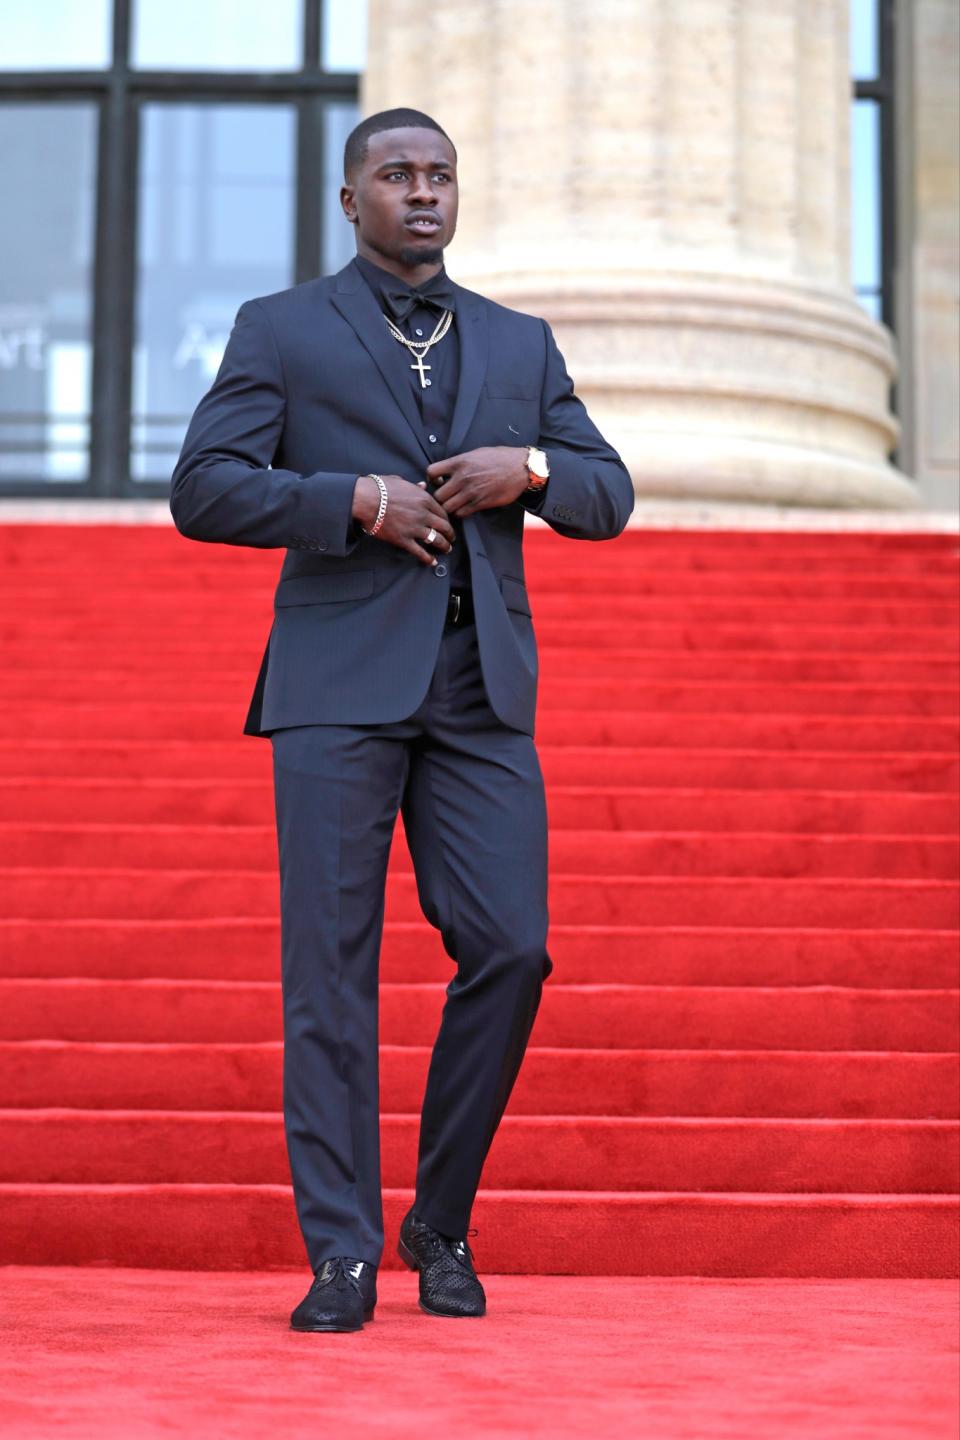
394	173
441	176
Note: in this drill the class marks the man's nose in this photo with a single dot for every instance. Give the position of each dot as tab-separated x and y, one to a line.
421	191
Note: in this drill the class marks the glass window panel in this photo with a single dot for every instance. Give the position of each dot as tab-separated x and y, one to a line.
865	198
216	227
56	35
339	236
864	39
48	161
345	35
218	35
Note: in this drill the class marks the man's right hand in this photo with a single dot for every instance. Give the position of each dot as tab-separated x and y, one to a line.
411	512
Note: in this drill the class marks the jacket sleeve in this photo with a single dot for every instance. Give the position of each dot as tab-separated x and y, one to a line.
223	487
589	495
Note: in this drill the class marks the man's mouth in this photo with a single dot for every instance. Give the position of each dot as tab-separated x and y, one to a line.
423	224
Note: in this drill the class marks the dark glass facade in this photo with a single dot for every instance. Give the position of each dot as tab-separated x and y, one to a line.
169	161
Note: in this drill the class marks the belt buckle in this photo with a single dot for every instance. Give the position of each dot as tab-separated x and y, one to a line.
455	596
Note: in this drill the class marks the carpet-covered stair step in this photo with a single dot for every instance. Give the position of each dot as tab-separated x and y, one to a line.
634	557
788	671
158	611
733	768
623	692
244	948
581	1016
802	734
781	1083
529	1152
584	851
593	585
578	1232
574	898
37	545
233	667
752	636
44	800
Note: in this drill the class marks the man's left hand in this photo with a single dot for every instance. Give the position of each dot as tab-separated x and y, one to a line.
480	479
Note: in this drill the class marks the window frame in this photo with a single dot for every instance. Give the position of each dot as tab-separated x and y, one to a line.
881	91
119	93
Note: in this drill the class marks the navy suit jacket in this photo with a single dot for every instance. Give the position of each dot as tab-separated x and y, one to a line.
308	396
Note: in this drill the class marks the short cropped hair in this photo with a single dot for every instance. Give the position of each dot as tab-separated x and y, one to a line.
355	150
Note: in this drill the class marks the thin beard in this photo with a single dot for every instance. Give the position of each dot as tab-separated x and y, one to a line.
410	256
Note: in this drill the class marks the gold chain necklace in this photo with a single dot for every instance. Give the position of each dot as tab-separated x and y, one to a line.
422	346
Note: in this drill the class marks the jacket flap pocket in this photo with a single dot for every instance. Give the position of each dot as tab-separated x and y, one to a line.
515	594
319	589
510	390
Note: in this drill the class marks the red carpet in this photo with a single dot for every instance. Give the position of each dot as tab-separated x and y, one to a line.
94	1355
745	1060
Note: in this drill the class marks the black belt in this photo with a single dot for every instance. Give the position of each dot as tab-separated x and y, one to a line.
460	607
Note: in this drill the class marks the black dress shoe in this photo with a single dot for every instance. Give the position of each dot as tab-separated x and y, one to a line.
342	1296
448	1281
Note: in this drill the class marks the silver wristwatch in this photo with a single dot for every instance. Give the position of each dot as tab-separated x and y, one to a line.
538	468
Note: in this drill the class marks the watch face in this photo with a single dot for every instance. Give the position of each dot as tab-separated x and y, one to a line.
538	463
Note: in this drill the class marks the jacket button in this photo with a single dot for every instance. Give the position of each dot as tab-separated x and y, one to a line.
440	569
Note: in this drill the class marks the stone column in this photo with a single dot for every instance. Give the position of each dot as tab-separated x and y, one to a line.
668	185
928	193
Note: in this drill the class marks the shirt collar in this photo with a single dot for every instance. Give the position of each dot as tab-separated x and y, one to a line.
377	278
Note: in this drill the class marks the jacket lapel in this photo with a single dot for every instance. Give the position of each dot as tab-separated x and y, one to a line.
472	331
353	298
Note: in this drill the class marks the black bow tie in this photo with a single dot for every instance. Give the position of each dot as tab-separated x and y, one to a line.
437	293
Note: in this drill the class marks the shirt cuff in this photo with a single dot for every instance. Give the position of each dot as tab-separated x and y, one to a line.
533	500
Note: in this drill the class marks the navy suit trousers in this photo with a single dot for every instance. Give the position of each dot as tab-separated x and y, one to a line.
471	793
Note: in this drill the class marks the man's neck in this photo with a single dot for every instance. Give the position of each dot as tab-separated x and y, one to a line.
417	275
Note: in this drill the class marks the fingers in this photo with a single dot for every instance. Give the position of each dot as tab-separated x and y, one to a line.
420	517
437	469
439	542
454	502
436	514
443	524
421	554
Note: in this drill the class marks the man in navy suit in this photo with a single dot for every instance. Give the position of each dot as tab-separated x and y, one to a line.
389	429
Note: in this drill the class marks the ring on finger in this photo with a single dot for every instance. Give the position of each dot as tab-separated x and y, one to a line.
431	535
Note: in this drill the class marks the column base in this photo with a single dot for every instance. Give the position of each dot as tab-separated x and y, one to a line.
728	386
759	472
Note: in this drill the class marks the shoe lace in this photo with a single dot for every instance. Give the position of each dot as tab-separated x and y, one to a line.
466	1246
342	1274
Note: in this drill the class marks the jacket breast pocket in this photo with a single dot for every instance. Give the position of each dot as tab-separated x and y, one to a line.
514	594
323	589
510	413
510	390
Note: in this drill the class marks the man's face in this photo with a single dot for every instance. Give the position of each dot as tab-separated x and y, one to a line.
403	200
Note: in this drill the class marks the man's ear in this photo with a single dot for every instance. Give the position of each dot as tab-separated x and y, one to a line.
348	203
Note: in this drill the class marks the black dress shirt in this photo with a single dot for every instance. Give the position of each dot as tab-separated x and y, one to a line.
435	401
